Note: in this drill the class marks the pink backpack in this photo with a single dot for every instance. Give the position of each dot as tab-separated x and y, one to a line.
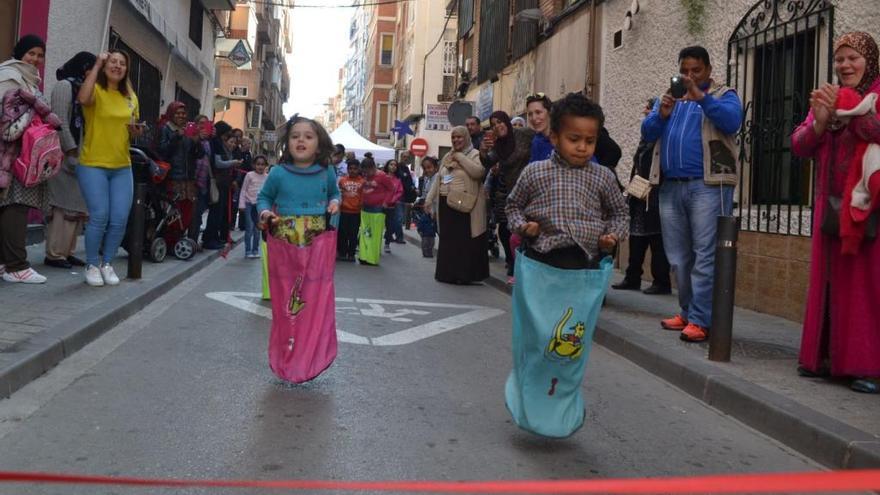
41	157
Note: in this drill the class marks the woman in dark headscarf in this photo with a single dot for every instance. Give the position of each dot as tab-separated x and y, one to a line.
67	208
506	151
840	335
179	146
20	72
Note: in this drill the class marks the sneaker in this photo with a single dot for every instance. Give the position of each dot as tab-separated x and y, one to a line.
387	249
93	276
676	323
694	333
2	269
26	276
511	280
109	275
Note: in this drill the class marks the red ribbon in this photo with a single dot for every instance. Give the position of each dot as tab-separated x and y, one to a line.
832	481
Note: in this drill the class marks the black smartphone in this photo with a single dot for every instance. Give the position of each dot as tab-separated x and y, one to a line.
676	87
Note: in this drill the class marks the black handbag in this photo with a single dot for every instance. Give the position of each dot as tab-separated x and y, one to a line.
831	220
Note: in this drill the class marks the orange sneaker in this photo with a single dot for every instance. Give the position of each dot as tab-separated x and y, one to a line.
694	333
676	323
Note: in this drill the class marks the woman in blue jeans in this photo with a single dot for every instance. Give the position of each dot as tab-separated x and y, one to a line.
110	108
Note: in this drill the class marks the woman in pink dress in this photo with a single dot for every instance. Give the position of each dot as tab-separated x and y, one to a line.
841	334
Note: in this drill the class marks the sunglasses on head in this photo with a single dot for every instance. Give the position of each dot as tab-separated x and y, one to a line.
536	97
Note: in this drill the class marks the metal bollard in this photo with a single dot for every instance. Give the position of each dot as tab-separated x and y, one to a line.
136	245
721	334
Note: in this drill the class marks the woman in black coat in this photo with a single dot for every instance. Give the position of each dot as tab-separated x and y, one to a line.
644	229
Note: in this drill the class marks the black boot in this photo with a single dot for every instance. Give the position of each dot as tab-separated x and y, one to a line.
427	247
627	285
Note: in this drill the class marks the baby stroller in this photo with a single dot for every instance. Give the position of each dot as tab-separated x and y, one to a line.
161	213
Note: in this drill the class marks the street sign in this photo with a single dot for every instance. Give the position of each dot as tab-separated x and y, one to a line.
436	117
418	147
459	112
423	316
239	54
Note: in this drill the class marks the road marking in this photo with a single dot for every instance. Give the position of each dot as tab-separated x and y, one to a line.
375	308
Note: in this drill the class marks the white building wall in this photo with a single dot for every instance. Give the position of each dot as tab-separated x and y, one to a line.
82	25
74	26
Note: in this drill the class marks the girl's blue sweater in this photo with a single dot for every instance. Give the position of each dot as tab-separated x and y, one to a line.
298	191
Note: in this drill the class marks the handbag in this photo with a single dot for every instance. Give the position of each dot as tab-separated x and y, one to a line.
831	219
639	187
213	190
462	201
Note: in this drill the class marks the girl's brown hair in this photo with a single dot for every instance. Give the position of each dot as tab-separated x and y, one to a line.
325	144
125	84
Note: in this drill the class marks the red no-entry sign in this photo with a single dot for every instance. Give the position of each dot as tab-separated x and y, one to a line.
418	147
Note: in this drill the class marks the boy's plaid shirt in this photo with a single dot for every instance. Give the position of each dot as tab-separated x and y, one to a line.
573	205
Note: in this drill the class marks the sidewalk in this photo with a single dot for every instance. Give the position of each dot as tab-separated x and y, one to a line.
821	418
42	324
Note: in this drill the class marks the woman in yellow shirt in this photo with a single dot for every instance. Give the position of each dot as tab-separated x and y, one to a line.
110	108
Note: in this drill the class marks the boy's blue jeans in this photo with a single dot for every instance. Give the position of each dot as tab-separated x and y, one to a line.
251	234
689	213
108	194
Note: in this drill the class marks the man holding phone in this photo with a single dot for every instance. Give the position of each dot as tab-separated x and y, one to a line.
694	163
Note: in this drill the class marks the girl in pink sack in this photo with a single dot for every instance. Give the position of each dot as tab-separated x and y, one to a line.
295	202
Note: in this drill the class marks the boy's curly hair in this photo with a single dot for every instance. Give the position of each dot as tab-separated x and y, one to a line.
325	144
577	105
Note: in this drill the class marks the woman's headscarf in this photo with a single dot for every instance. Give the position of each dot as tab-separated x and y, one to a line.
76	67
866	46
462	131
25	44
504	146
168	117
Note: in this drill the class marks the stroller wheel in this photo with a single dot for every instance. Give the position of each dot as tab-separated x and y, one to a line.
158	250
185	248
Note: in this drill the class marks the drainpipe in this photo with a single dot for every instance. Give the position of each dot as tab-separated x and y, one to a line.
105	36
590	86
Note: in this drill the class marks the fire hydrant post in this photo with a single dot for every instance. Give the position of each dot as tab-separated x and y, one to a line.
721	332
138	217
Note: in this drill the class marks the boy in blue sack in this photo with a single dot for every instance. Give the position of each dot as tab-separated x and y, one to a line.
571	215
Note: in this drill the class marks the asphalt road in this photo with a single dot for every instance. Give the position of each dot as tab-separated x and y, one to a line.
183	389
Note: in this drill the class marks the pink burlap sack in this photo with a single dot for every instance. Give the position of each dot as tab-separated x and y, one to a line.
303	339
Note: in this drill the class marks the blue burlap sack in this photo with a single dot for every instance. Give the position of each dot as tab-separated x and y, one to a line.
554	316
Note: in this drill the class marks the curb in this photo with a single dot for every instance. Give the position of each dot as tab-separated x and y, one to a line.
45	350
813	434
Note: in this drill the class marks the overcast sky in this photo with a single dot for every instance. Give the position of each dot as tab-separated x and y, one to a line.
320	47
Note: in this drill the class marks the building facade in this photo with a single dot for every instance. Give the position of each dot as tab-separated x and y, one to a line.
378	115
622	52
171	44
355	73
250	96
424	72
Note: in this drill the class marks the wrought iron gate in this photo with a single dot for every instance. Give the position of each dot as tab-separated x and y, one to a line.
779	52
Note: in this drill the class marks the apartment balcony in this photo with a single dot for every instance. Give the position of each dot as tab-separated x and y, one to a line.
219	4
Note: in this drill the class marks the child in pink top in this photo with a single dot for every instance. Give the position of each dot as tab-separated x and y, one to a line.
247	204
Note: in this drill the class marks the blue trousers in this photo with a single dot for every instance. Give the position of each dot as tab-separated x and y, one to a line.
689	213
108	194
251	234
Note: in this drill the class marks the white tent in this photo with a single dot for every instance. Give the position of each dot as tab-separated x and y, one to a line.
348	137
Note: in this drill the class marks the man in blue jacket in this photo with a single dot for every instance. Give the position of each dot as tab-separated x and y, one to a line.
695	166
